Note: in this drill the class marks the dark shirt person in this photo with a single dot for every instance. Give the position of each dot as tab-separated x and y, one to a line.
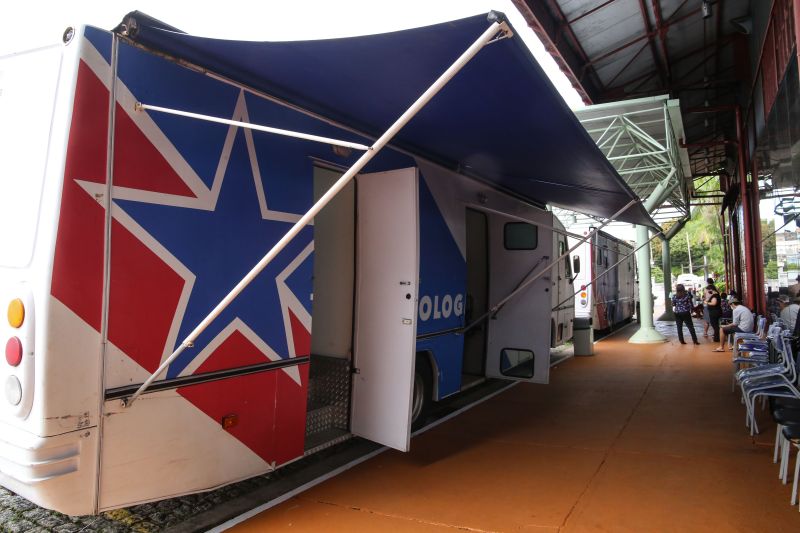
714	306
682	306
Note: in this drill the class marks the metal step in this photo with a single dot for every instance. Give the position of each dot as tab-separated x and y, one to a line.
320	419
325	439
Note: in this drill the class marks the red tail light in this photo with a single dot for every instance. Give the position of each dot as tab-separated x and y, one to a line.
14	351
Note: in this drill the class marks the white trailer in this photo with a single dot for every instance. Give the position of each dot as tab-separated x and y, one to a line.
605	281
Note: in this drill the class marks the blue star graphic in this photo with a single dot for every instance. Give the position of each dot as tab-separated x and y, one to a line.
220	247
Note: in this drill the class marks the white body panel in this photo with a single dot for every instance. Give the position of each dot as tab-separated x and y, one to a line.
140	447
563	307
386	306
49	443
526	324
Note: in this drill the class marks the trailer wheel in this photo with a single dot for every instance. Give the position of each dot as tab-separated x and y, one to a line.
423	391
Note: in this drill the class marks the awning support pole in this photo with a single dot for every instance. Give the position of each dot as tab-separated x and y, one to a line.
522	286
487	36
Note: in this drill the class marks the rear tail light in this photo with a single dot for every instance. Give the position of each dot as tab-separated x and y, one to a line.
16	313
13	390
14	351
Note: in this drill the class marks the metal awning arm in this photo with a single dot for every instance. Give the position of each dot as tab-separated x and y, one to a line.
247	125
495	308
497	29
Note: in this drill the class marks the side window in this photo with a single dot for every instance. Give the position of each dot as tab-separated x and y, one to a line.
520	236
598	255
605	258
562	249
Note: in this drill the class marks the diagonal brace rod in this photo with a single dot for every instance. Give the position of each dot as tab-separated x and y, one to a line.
268	129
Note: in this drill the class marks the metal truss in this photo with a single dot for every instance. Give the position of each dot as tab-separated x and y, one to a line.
641	139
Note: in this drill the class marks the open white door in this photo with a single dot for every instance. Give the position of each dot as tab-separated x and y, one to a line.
519	333
387	274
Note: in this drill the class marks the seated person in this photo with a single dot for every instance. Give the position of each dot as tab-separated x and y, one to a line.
742	323
788	311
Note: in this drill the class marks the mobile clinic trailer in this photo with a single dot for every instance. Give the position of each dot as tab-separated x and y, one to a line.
606	281
152	349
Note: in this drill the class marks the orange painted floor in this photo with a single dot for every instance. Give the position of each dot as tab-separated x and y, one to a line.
639	438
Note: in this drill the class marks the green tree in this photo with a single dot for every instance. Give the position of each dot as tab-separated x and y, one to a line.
767	233
705	240
658	273
771	270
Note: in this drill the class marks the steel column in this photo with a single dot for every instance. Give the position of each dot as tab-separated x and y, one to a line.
750	289
666	264
760	297
647	333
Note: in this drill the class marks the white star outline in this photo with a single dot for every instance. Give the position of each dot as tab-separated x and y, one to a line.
206	199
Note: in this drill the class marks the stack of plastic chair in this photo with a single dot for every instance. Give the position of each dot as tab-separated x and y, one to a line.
755	352
779	380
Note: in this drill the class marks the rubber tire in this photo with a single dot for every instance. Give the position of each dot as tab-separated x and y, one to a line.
422	378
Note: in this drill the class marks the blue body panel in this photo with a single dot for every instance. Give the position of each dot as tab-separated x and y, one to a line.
442	293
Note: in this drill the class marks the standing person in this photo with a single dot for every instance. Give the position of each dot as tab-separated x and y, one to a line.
682	305
714	308
742	323
706	315
788	311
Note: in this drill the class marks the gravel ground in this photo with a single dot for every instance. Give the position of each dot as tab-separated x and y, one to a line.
18	515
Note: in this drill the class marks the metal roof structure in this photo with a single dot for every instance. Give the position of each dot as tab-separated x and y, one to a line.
626	49
642	139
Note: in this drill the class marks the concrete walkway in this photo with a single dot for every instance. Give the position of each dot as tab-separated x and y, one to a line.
639	438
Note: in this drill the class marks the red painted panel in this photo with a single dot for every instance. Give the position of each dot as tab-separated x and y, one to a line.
251	398
137	162
290	416
234	352
78	258
144	293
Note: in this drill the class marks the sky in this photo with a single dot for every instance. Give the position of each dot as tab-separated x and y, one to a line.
27	25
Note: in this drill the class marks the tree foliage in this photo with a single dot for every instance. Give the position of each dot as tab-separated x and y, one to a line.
768	234
705	240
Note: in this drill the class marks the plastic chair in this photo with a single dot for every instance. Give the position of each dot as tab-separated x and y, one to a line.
779	381
754	353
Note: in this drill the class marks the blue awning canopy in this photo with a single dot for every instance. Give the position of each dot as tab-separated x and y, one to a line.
499	120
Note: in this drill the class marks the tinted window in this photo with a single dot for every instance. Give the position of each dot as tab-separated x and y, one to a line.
521	236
